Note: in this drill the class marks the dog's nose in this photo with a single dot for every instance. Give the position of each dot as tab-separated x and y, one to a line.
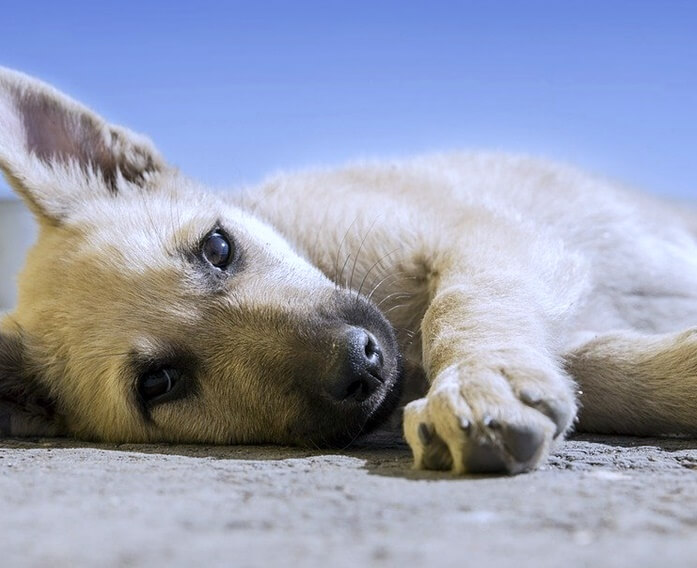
357	366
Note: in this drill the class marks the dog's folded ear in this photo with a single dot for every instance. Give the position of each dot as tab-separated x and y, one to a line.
55	152
26	408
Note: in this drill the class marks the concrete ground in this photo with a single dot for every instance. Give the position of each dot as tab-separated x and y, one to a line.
600	501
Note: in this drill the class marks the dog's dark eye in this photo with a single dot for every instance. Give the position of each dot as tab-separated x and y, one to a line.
157	383
217	249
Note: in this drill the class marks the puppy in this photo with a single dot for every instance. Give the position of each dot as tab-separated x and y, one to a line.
499	294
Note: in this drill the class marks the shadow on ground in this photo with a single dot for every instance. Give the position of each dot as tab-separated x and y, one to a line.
386	454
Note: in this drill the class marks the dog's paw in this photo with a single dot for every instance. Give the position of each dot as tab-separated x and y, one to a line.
488	421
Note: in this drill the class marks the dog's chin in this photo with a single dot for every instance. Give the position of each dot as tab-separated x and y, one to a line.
387	407
325	434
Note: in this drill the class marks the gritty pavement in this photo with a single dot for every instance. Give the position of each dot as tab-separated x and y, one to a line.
600	501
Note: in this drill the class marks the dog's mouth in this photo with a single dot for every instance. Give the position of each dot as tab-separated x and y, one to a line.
378	411
361	384
334	425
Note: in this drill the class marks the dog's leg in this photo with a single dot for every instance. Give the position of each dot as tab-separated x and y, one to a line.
637	384
498	398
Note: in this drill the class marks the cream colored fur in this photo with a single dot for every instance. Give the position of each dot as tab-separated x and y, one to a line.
521	291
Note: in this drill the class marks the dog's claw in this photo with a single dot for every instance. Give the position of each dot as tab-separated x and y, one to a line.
529	397
557	412
492	423
522	442
554	410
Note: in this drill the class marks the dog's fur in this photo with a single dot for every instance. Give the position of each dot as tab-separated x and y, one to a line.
517	291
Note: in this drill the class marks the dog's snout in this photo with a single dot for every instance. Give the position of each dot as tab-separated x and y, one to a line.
358	366
372	352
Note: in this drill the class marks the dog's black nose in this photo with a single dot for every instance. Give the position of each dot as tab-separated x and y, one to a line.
357	367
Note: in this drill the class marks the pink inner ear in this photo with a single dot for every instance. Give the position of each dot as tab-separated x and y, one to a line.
56	133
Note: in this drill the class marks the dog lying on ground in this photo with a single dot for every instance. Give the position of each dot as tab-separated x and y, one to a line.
499	294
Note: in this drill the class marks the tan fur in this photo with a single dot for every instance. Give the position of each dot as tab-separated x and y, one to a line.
506	279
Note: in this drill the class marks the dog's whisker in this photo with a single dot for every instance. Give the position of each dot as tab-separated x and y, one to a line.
337	276
353	437
399	276
358	252
393	308
322	232
409	333
399	295
341	274
374	265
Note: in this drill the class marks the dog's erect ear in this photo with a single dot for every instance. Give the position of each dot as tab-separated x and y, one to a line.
25	408
54	151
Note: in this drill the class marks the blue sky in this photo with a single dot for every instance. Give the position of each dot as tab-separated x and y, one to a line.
230	91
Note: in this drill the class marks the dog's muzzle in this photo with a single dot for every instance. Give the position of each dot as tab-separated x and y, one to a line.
356	372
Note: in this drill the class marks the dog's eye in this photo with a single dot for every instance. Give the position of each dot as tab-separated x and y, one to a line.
157	383
217	249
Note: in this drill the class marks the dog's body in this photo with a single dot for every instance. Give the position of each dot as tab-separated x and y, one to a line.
150	309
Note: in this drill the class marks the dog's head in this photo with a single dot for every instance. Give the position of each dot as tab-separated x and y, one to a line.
151	309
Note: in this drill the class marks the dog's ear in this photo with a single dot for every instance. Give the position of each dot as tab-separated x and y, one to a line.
55	152
26	409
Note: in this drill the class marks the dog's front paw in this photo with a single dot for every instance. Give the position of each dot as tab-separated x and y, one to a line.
488	421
